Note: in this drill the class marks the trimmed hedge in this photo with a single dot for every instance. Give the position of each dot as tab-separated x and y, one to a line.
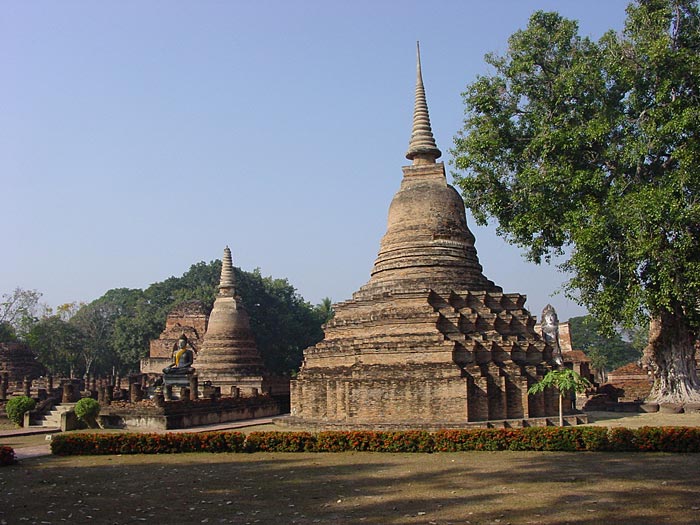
7	456
562	439
133	443
559	439
369	441
280	442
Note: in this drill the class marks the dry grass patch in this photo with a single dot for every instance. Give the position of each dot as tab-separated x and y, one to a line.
470	487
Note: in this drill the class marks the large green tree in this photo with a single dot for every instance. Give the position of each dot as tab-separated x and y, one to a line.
58	345
97	321
19	310
607	350
119	325
282	321
591	150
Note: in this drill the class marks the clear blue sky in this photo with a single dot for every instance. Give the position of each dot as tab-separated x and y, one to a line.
140	137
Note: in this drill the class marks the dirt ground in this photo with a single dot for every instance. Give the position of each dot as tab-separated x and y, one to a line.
635	420
350	488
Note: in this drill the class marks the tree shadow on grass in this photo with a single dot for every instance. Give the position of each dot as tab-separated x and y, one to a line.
473	487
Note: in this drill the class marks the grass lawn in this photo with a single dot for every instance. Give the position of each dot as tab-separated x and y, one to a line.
350	488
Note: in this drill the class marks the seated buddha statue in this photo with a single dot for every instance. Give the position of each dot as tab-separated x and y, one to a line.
183	357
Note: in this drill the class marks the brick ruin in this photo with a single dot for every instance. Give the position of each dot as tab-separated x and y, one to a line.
17	362
429	341
189	318
229	358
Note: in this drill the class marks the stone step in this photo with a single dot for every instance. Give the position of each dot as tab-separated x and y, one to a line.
50	422
53	418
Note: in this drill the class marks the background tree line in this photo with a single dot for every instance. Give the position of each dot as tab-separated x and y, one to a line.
112	333
607	351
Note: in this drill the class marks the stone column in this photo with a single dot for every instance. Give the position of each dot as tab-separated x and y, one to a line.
194	386
159	399
3	387
67	396
108	394
49	384
27	386
100	394
135	393
168	392
207	391
536	404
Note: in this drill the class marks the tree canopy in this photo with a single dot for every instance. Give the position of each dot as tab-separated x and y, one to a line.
282	322
606	351
18	311
113	332
590	150
566	380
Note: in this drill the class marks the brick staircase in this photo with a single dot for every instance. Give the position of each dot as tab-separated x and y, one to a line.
53	418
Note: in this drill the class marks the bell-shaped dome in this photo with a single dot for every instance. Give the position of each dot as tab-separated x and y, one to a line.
229	350
427	243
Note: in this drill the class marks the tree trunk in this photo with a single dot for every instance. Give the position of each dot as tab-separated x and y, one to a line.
670	355
561	410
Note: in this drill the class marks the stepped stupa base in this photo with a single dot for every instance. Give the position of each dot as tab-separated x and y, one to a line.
233	385
323	425
422	356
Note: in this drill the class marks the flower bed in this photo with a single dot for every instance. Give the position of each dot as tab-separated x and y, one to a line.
136	443
7	456
562	439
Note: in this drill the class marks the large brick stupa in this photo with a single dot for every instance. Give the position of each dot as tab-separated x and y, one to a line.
229	357
429	341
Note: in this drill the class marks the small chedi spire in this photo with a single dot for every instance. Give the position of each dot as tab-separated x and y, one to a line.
421	147
227	283
229	357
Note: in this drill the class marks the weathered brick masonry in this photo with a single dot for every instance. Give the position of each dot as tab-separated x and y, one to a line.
429	340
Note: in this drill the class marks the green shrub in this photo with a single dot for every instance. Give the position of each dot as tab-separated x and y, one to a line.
87	409
647	439
280	442
7	456
17	406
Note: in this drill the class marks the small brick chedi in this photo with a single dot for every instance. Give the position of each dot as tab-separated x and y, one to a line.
229	357
189	318
429	341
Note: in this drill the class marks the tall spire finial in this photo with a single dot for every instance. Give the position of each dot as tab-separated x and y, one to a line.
421	147
227	283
